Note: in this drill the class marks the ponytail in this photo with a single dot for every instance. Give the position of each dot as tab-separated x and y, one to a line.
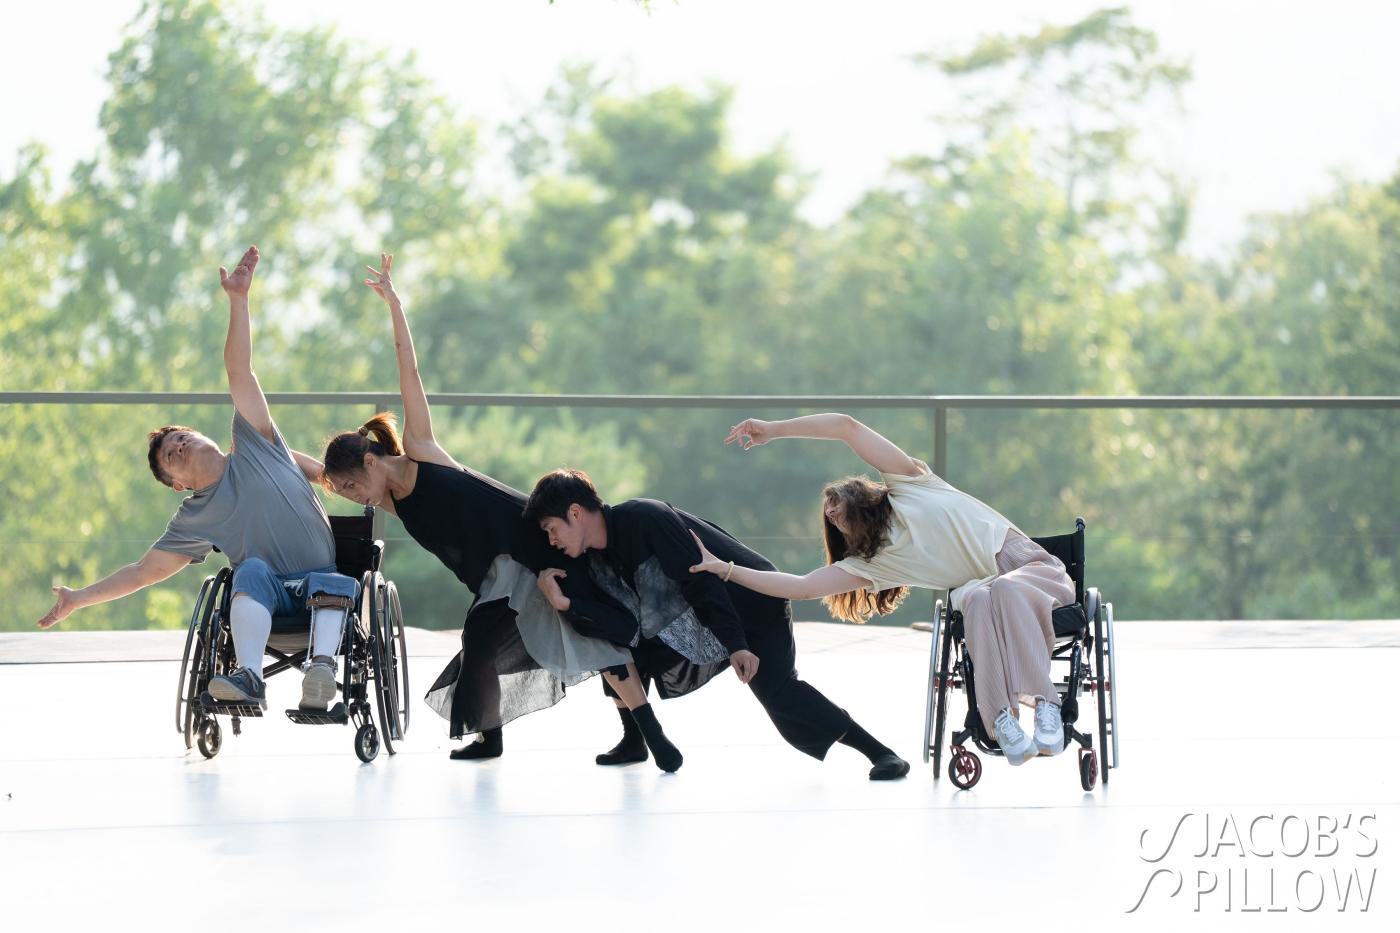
345	453
383	427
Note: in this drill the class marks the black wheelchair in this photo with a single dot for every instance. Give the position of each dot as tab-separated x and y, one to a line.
373	653
1088	656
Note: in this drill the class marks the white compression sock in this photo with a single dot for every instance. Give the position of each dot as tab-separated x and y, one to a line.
325	626
251	624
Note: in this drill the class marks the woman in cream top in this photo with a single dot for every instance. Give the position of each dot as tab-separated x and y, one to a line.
915	529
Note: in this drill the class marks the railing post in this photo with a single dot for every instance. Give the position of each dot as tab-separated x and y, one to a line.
940	467
940	440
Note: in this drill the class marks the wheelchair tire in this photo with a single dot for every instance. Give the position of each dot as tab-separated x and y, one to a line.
942	631
964	769
184	713
1102	685
367	742
211	738
932	682
379	678
390	662
1088	768
400	658
1110	751
196	667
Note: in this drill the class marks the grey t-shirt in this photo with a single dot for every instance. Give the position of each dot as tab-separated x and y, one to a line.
261	507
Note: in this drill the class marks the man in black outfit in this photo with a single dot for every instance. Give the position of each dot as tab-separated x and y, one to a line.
640	552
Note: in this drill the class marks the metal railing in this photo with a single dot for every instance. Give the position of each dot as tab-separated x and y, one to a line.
937	406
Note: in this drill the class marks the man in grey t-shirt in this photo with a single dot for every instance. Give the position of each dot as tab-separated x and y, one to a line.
256	505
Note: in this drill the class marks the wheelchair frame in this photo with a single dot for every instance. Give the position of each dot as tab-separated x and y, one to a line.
373	651
1088	653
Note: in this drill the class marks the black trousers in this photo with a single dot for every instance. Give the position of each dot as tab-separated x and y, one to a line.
804	717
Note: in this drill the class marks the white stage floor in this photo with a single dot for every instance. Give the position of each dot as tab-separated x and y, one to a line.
106	819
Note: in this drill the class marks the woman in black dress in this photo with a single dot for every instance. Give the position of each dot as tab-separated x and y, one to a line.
517	654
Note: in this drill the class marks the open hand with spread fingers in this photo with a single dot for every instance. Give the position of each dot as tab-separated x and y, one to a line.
381	282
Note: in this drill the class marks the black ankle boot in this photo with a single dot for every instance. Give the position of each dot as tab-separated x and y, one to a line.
632	748
668	757
487	745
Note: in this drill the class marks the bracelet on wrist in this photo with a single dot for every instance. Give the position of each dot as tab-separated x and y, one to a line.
730	572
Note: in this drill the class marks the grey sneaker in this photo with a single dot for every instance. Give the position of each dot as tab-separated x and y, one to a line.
1015	744
1049	730
241	686
318	686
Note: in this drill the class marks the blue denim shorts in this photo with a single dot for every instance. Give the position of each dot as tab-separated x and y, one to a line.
286	594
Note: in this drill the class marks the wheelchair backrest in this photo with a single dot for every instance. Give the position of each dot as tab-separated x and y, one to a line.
356	551
1070	550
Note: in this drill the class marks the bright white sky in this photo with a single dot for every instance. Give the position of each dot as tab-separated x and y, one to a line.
1285	93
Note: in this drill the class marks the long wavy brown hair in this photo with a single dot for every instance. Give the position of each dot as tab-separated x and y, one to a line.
867	511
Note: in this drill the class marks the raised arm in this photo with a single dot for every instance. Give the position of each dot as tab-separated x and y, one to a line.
418	436
311	468
153	567
868	444
824	581
243	385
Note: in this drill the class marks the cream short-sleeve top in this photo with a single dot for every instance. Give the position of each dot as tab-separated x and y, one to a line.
940	538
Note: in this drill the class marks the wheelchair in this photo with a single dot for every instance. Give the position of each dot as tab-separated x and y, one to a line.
1084	656
373	653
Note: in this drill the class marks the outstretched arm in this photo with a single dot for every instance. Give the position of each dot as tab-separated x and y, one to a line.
153	567
238	347
824	581
418	437
868	444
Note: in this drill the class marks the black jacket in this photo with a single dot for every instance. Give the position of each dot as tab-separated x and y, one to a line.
646	535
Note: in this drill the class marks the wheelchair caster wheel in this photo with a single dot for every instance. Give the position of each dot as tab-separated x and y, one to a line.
211	738
1088	768
367	742
964	768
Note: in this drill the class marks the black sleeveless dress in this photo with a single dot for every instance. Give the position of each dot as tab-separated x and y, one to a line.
517	655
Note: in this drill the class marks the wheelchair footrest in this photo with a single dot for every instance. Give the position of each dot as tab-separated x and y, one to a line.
335	716
221	708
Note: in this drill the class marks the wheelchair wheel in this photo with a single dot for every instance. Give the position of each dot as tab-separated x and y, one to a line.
183	711
932	682
1101	687
944	633
964	768
1110	751
391	663
375	658
211	737
1089	769
200	658
367	742
400	669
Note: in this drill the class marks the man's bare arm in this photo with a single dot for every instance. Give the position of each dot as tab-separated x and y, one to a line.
243	385
153	567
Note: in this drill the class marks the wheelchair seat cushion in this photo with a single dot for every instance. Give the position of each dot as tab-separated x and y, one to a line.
1069	621
298	624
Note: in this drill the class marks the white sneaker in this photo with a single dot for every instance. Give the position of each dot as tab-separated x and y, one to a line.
1015	744
318	686
1049	730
